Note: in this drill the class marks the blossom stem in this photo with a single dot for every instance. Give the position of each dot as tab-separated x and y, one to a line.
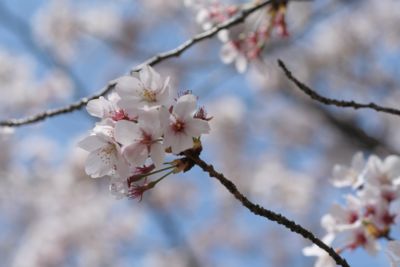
162	177
140	176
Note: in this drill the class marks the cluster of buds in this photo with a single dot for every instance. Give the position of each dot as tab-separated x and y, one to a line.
244	43
370	211
140	123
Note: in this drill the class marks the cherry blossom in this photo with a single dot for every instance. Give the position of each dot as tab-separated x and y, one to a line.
141	140
349	176
105	156
242	44
371	210
180	126
323	258
148	89
140	122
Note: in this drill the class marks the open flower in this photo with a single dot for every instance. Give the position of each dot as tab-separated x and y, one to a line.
145	90
107	108
141	140
180	126
105	155
344	176
323	258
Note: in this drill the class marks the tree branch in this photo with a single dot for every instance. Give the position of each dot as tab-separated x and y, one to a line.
239	18
334	102
258	210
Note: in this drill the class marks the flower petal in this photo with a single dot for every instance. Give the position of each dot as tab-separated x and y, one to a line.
185	106
157	154
91	143
127	85
136	154
126	132
196	127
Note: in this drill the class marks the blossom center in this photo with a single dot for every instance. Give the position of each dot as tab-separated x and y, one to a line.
178	126
149	95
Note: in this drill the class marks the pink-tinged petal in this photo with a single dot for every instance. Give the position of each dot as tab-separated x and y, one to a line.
164	118
228	53
185	106
136	154
241	63
149	121
223	36
123	168
181	142
97	164
196	127
99	107
150	78
130	104
164	95
157	154
91	143
126	132
127	85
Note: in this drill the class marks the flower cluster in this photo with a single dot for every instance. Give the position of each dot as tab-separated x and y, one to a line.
139	124
370	211
243	43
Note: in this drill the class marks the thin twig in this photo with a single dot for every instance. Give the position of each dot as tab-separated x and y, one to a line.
270	215
334	102
239	18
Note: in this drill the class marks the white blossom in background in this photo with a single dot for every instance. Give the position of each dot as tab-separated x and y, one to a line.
62	214
371	209
23	92
243	43
103	21
139	124
284	187
58	26
55	27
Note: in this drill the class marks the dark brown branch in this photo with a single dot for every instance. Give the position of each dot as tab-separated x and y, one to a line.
239	18
204	35
334	102
258	210
54	112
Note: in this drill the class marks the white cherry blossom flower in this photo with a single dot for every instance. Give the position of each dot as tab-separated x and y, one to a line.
381	173
343	218
323	258
180	126
146	90
344	176
107	108
230	53
141	140
105	155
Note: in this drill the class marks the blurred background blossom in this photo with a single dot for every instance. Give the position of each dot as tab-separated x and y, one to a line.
274	143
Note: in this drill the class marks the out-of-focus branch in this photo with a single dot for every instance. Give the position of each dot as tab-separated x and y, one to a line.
334	102
258	210
239	18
